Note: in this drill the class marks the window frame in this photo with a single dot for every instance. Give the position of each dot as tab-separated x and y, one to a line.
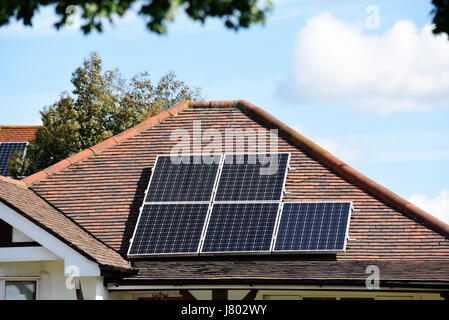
3	281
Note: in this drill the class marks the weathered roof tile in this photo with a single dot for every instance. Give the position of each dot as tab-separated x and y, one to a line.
30	205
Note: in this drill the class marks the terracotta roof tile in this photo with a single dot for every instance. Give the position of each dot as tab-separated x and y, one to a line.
107	143
17	133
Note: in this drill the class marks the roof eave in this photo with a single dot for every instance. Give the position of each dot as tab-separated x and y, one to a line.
71	245
280	282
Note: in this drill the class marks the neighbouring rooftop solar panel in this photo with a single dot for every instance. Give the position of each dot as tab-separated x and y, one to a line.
246	177
240	227
6	151
169	229
313	226
186	178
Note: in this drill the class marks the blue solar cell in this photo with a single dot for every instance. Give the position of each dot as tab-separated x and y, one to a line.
187	179
314	226
247	177
169	229
6	151
240	227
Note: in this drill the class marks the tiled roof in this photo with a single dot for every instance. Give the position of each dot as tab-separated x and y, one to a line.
287	269
17	133
30	205
102	188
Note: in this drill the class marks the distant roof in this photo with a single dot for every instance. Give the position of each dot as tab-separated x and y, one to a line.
32	207
17	133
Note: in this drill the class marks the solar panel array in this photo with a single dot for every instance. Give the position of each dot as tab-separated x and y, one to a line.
232	205
313	226
6	151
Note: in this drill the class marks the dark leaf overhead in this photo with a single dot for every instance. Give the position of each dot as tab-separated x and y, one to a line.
235	14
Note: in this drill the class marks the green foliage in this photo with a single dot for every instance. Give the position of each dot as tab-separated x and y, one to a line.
441	16
15	164
236	14
103	104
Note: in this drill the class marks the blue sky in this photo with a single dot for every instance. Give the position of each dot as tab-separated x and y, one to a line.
373	96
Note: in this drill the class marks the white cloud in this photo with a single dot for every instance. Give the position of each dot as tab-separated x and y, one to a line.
348	149
286	15
438	206
382	148
401	69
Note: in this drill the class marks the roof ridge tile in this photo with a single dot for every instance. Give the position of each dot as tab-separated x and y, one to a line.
20	127
19	183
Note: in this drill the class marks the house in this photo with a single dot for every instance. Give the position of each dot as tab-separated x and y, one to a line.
69	227
12	139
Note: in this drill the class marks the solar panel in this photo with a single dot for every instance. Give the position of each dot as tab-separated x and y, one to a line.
6	151
186	178
240	227
313	226
169	229
246	177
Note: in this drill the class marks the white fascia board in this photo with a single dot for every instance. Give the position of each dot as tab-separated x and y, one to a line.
86	267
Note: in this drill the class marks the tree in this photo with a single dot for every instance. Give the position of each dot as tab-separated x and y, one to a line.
441	16
103	104
235	13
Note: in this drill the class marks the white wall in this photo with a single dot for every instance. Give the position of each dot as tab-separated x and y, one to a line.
287	294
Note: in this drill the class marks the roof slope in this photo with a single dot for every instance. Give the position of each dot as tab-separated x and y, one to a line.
31	206
102	188
17	133
287	269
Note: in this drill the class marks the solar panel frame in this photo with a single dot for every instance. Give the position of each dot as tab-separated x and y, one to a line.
171	202
255	153
274	251
227	253
131	240
164	254
25	143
